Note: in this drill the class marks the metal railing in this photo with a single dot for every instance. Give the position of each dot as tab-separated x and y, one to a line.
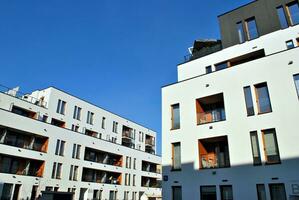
211	116
14	92
203	52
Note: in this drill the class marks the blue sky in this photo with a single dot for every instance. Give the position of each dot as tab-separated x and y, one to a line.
116	54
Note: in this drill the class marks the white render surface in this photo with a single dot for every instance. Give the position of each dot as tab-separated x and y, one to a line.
35	126
277	70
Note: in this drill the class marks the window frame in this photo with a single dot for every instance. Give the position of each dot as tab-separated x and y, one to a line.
173	126
247	32
256	86
280	17
289	16
247	101
173	164
240	27
259	162
273	131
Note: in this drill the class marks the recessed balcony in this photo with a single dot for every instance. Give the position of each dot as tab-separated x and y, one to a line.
150	182
24	112
128	137
210	109
97	156
151	167
100	176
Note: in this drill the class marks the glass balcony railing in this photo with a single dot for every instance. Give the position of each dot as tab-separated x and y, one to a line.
211	116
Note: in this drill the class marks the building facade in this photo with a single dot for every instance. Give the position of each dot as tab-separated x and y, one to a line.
54	141
229	125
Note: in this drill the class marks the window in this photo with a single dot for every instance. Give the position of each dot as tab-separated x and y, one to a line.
112	195
127	179
126	195
73	173
103	122
208	69
7	191
261	192
61	107
134	177
240	32
90	116
177	193
248	101
175	116
226	192
221	66
293	12
282	17
75	128
76	151
296	80
60	144
77	113
114	127
271	146
251	28
56	171
277	191
290	44
262	98
255	148
176	156
134	163
208	193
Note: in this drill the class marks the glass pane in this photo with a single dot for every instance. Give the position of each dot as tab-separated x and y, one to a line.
176	116
271	147
177	156
226	192
294	13
263	98
240	32
255	148
296	79
290	44
261	192
248	100
252	29
277	192
6	191
221	66
208	193
282	17
177	193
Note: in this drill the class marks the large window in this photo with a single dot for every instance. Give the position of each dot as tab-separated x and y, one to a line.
176	156
226	192
56	170
208	193
277	191
248	101
251	28
60	144
240	30
261	192
77	113
175	116
177	193
90	116
262	98
282	17
255	148
61	107
293	12
296	80
271	146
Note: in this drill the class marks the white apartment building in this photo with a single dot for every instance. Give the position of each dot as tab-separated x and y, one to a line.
53	141
230	123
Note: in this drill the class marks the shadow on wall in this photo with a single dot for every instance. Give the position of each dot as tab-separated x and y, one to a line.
243	178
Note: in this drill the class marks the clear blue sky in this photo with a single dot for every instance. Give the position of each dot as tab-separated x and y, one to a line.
116	54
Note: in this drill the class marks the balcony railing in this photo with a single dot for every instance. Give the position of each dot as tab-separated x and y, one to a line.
128	134
211	116
19	95
203	52
212	160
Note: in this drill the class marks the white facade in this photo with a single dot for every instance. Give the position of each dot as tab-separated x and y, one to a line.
277	69
103	164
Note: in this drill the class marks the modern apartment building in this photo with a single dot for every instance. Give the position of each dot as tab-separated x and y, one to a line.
54	141
230	123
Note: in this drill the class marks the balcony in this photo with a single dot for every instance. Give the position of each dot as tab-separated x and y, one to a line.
23	140
21	166
58	123
151	167
91	133
25	97
100	176
150	182
97	156
149	140
128	137
210	109
213	153
24	112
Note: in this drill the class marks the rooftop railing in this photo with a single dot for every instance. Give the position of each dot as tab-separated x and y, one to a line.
14	92
203	52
